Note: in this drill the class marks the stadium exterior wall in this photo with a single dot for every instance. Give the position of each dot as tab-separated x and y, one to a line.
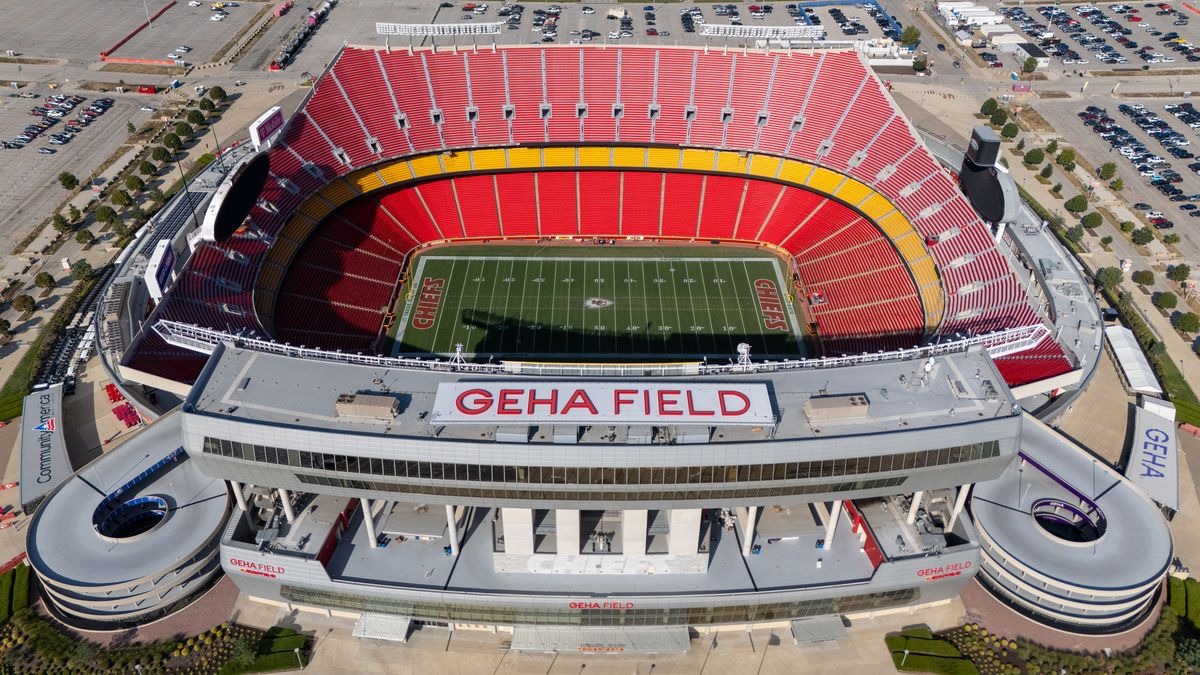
1000	434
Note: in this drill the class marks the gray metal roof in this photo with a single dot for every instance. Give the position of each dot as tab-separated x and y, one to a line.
242	384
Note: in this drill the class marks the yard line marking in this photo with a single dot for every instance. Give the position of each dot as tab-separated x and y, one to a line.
757	319
692	304
724	312
435	344
507	296
522	323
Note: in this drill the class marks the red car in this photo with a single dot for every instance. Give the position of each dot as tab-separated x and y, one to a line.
997	64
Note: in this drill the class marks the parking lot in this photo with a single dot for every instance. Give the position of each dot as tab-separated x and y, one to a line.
39	29
27	178
1110	36
358	26
1157	143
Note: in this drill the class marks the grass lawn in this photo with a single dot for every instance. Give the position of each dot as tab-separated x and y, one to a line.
639	302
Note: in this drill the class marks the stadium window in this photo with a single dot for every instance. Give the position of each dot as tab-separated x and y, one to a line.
581	110
510	112
402	121
472	114
544	111
689	113
435	116
618	111
797	123
375	147
653	111
341	156
726	115
762	119
824	148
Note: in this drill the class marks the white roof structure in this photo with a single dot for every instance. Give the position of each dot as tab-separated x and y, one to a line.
1134	366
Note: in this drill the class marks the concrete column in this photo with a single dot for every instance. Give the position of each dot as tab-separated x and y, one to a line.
959	503
566	531
831	524
452	529
916	504
748	529
286	500
685	532
369	521
633	531
518	530
238	496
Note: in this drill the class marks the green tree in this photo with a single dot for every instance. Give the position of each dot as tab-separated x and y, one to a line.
24	303
1090	220
44	281
1128	226
1020	144
1179	273
1108	170
919	63
1010	131
999	117
73	213
909	37
60	223
217	94
989	106
1143	236
84	237
1076	204
1075	233
106	214
184	130
121	230
1143	278
1034	156
1117	185
1187	648
1057	188
1165	300
121	198
1171	239
158	195
5	327
1067	156
1109	277
172	142
1029	66
207	105
1052	146
1187	322
81	270
160	154
1047	170
147	168
195	117
130	128
134	183
68	180
1106	240
244	651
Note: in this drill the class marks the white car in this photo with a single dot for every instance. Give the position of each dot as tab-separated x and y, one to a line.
148	108
173	56
217	17
588	10
183	49
614	35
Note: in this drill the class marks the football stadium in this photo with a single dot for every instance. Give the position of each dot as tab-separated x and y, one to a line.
600	345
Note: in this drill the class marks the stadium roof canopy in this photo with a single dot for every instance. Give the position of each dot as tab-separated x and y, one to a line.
1136	369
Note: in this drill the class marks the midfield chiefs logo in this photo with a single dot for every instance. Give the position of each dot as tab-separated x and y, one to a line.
257	568
943	571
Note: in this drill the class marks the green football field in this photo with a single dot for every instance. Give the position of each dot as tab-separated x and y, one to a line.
609	302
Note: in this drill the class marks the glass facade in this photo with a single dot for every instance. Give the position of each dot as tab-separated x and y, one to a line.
568	616
560	475
545	493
